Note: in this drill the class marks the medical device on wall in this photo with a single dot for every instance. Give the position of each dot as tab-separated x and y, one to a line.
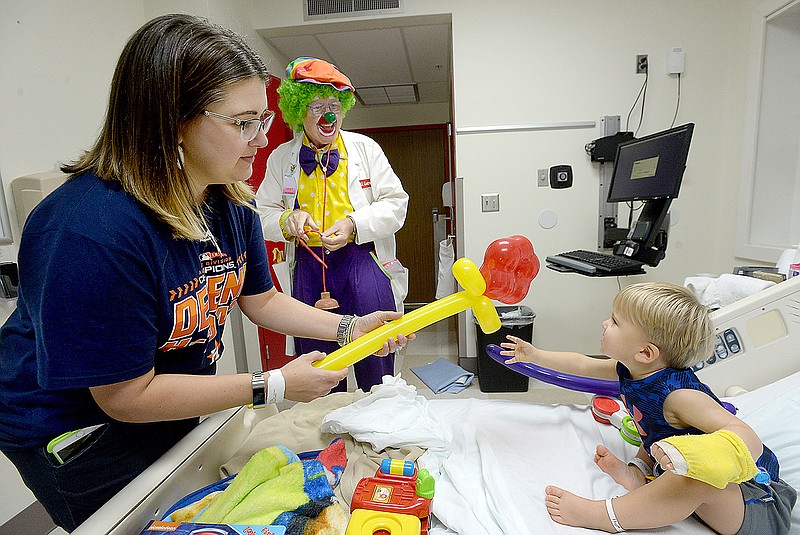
604	149
5	224
29	190
756	341
561	176
650	170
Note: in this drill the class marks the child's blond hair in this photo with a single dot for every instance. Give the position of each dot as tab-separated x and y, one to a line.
671	317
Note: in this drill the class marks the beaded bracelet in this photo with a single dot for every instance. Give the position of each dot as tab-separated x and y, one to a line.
351	329
344	334
282	222
355	230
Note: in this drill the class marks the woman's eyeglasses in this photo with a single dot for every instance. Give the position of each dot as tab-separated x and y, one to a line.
249	128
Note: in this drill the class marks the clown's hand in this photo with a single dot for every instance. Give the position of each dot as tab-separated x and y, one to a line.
296	222
337	235
718	458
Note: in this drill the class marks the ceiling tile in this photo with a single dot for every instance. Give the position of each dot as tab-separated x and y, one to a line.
434	91
429	51
369	57
295	46
381	52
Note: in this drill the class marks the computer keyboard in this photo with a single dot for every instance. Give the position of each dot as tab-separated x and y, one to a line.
593	262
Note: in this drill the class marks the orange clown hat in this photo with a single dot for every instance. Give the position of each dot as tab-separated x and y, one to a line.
318	71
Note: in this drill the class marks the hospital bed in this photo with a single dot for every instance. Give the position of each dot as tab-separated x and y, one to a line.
756	366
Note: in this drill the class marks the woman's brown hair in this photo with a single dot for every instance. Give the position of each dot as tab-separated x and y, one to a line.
170	70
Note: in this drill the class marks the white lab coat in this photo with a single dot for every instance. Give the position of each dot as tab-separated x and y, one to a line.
379	201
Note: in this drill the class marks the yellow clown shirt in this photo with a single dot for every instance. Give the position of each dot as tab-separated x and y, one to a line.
325	198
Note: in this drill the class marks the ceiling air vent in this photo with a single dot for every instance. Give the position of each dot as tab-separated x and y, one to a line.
388	94
327	9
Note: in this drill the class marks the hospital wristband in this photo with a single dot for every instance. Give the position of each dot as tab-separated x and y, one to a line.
613	517
276	387
641	465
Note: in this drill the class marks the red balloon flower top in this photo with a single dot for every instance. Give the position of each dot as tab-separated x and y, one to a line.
509	266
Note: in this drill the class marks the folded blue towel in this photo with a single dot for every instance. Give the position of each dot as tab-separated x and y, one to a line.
444	376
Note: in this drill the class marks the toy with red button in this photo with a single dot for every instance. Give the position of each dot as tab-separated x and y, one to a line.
611	411
396	501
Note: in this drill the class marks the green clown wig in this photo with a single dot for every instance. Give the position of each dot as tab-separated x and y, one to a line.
307	79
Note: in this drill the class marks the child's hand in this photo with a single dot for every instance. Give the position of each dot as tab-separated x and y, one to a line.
661	458
518	349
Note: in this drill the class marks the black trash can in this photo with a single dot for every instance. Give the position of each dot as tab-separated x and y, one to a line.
516	320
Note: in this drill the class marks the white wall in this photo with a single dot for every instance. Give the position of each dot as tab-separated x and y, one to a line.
520	62
574	62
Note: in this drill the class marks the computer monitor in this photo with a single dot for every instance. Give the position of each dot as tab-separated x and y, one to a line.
651	167
650	170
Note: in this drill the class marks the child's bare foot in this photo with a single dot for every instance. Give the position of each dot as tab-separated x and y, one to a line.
629	477
571	510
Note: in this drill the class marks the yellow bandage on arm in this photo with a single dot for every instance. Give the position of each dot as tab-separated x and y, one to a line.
718	458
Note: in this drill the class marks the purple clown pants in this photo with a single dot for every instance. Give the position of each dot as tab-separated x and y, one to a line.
355	280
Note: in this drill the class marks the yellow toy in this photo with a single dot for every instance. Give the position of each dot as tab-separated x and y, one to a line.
468	276
366	522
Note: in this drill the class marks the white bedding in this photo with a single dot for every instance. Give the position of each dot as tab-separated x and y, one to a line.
492	458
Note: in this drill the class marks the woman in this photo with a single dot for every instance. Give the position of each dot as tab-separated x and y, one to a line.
129	270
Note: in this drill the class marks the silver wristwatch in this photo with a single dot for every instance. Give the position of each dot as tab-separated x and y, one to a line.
259	390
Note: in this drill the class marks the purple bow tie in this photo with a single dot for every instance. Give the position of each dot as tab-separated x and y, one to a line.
329	160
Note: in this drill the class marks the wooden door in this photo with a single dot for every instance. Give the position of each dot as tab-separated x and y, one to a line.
419	156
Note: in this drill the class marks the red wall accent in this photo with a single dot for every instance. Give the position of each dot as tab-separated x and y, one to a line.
272	345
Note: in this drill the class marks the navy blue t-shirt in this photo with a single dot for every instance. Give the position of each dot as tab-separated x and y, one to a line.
106	293
644	399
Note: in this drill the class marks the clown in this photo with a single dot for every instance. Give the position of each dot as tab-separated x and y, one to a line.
334	193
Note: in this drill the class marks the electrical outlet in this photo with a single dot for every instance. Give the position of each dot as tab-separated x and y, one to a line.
490	202
544	180
641	64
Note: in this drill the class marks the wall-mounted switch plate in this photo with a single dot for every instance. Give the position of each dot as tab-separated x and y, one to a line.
490	202
543	178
